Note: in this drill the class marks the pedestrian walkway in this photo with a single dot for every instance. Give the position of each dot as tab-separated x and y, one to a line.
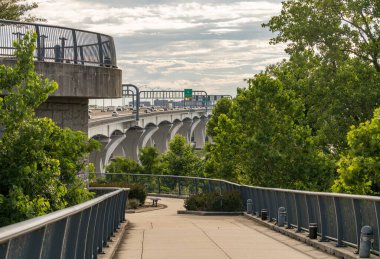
165	234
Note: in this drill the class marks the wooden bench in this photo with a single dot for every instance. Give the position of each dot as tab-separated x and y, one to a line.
154	201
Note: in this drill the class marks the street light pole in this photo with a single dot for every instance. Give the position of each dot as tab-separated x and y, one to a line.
137	98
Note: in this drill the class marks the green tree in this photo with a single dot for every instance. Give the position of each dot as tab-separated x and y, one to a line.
17	10
223	157
265	141
150	160
223	106
334	96
123	165
334	29
359	167
40	161
180	159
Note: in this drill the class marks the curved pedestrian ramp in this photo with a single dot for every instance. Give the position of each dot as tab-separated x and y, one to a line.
165	234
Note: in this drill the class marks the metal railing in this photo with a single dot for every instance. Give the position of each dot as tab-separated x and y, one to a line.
339	216
80	231
179	186
60	44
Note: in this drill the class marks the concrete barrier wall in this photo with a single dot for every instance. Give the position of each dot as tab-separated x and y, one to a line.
78	80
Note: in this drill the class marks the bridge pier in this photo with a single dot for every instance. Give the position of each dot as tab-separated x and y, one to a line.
195	123
129	146
185	129
96	157
174	130
200	133
160	137
145	139
66	112
110	148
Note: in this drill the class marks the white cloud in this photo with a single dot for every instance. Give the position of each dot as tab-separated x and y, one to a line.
199	44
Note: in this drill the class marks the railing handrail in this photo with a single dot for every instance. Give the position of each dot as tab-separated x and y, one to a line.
18	229
329	194
176	176
50	26
60	44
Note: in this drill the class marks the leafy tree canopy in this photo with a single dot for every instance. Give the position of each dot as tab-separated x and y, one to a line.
264	141
17	10
180	159
335	29
123	165
39	161
335	96
151	161
359	167
223	106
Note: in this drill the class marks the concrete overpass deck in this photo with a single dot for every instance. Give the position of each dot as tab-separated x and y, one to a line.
165	234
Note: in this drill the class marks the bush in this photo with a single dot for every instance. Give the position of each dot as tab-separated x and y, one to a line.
137	191
214	201
133	204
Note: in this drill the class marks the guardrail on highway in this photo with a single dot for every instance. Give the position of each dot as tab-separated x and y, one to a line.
80	231
339	216
60	44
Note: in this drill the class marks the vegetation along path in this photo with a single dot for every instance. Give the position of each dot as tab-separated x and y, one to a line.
164	234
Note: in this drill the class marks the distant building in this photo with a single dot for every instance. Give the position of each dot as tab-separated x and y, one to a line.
142	104
161	103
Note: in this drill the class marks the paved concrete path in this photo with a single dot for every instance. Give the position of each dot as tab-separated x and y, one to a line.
164	234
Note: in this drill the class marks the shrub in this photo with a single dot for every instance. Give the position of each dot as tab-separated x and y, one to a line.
137	191
214	201
133	204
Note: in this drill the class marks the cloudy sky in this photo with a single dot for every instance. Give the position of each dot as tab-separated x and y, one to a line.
210	45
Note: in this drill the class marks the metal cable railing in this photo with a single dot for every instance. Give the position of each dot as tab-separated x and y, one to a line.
339	216
60	44
80	231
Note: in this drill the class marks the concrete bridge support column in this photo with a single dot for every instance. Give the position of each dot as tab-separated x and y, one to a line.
161	136
186	129
129	147
200	134
145	139
174	130
110	148
196	122
96	157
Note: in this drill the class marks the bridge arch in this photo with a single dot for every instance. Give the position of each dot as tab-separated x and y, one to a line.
125	138
146	137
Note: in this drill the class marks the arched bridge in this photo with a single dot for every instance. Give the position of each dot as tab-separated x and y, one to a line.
124	135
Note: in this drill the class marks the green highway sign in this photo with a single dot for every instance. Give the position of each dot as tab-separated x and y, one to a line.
188	93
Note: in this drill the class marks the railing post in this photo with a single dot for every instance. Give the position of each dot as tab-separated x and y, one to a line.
339	225
63	39
322	216
179	186
298	212
100	47
81	55
159	184
75	47
377	210
289	211
358	220
39	58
